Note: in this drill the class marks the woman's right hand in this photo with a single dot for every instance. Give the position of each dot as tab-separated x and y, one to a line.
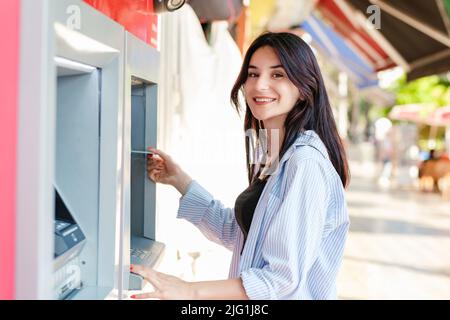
162	169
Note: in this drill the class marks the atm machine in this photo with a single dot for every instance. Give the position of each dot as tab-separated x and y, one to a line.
69	207
88	102
140	129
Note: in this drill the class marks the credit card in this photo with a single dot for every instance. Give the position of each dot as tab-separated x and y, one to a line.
142	152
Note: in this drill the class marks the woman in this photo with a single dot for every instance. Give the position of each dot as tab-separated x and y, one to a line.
288	228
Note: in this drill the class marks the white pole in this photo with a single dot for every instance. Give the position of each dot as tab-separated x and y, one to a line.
343	104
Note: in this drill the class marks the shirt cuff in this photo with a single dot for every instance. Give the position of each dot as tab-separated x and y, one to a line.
255	285
194	202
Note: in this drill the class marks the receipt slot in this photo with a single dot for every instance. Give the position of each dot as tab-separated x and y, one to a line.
140	117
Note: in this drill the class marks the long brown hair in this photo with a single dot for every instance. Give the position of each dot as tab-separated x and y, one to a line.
312	112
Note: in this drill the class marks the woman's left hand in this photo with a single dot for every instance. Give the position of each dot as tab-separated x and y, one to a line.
167	287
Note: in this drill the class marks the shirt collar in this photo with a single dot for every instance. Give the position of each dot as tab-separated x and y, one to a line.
306	138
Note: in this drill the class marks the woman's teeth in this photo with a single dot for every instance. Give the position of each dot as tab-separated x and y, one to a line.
264	100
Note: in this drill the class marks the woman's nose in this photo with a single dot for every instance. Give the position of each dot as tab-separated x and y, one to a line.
262	83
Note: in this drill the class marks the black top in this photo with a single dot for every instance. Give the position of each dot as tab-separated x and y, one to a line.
245	205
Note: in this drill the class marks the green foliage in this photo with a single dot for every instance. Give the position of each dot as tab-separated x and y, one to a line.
432	89
375	112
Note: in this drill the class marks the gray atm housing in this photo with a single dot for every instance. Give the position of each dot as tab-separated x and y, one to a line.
87	143
141	93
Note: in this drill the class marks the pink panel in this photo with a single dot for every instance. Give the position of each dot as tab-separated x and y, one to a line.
9	63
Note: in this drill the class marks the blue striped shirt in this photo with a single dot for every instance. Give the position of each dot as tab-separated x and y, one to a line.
296	241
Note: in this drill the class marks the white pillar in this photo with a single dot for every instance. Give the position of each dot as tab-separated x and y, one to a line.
355	111
343	104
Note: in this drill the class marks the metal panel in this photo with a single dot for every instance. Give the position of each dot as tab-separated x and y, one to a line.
151	93
98	41
34	236
77	159
138	161
142	62
143	134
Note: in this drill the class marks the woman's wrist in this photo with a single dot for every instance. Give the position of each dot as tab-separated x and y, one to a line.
183	182
193	291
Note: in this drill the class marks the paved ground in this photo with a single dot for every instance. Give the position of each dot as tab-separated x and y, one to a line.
399	243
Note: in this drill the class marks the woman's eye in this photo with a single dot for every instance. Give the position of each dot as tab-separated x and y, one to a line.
277	75
252	75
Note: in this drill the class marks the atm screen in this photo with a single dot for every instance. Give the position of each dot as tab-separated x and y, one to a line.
61	211
68	233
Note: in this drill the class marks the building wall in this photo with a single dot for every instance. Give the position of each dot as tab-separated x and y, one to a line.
9	55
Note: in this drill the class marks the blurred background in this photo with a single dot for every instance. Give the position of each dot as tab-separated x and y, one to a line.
386	66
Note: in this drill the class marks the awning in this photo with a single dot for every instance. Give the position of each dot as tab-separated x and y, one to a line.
415	33
216	10
440	117
358	38
415	112
334	47
423	113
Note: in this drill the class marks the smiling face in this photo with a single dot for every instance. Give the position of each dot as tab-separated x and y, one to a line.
269	92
